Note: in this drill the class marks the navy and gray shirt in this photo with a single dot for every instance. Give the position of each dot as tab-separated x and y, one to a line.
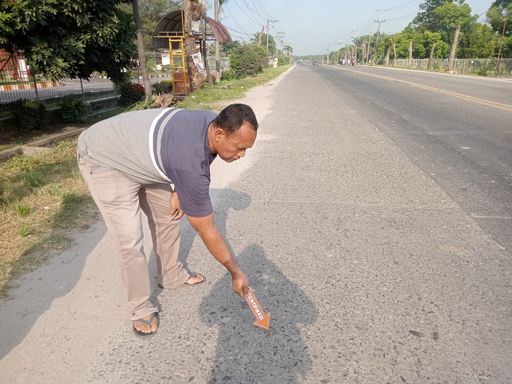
157	146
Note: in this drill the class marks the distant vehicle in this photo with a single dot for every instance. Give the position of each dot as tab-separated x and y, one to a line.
315	62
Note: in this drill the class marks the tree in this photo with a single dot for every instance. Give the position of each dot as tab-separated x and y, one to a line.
451	18
434	45
140	48
477	42
192	10
247	60
425	19
69	38
403	41
287	50
500	18
260	38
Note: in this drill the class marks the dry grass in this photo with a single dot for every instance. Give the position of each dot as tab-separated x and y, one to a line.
41	197
209	96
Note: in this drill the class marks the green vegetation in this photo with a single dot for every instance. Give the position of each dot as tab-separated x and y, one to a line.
41	197
246	60
441	29
210	96
131	93
30	114
67	38
73	109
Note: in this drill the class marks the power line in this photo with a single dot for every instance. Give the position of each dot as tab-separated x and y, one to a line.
400	6
238	32
257	14
245	14
239	37
260	4
402	17
236	21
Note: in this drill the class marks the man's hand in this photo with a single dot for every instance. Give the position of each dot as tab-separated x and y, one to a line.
174	210
240	283
212	238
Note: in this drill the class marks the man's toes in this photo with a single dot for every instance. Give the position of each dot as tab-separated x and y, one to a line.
143	325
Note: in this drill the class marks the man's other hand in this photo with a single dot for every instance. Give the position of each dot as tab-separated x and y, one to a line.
174	210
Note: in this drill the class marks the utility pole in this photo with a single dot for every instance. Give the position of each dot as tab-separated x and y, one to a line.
379	21
216	12
268	32
279	39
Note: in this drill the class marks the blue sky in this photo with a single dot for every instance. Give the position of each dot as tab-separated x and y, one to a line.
315	27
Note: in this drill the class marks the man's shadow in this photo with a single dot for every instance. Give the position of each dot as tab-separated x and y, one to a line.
247	354
223	200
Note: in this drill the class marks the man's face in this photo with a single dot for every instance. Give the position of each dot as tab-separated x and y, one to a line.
232	147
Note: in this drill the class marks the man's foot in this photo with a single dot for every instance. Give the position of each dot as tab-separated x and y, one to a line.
147	325
192	280
195	279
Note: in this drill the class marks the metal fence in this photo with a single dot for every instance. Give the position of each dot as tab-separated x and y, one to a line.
17	82
482	67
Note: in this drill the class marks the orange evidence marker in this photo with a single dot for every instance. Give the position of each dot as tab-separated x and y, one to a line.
262	318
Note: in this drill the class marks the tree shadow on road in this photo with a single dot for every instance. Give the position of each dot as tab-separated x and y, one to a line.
246	354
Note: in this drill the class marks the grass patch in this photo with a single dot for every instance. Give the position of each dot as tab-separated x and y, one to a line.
22	209
209	96
41	198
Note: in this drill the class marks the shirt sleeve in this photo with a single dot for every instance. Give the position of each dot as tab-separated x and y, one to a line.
194	193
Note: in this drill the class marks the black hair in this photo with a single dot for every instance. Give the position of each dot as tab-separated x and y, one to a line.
231	118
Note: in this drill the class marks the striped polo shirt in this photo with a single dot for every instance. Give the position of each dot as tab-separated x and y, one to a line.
157	146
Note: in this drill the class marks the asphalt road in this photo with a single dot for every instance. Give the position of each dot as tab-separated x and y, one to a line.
372	268
458	130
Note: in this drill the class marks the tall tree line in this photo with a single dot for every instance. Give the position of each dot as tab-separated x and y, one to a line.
444	29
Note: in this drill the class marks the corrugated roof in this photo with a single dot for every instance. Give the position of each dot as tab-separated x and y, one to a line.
171	24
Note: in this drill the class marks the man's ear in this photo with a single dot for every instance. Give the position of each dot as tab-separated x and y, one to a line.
219	133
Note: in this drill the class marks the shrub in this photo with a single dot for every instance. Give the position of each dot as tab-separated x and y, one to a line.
72	109
228	74
131	93
482	71
165	86
29	114
283	60
247	60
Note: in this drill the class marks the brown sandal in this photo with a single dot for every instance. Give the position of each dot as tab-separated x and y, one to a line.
201	277
148	322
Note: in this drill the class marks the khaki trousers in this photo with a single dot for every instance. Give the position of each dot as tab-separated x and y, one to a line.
120	200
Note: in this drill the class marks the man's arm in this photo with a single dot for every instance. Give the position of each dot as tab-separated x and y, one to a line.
214	241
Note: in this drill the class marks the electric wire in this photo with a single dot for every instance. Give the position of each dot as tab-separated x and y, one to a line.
257	4
402	17
238	32
244	13
257	14
236	21
260	4
399	6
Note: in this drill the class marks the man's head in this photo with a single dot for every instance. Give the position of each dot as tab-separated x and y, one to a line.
232	132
